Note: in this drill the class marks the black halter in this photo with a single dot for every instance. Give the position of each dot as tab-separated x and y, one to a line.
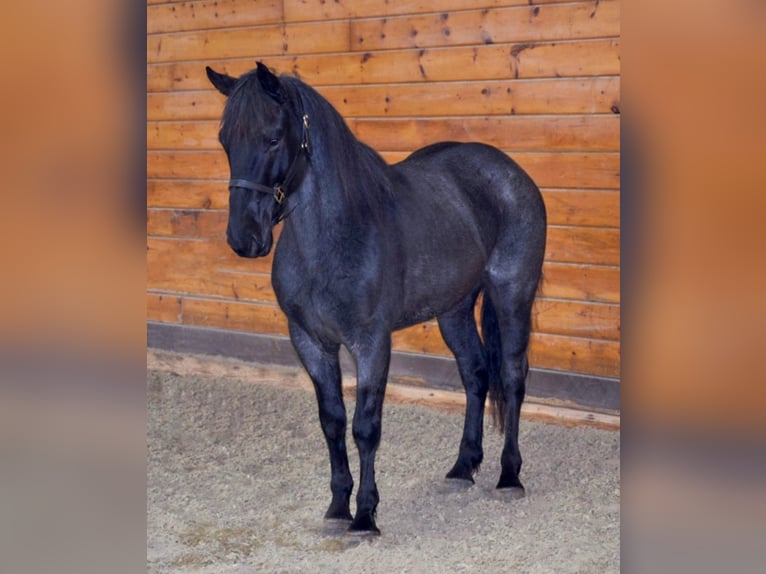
294	173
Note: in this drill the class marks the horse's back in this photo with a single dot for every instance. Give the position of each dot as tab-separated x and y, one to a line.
494	185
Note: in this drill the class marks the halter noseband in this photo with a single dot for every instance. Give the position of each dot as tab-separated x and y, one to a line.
294	173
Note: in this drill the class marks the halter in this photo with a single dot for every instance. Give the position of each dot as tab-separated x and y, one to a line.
294	173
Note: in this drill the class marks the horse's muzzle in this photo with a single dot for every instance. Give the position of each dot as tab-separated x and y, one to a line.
250	247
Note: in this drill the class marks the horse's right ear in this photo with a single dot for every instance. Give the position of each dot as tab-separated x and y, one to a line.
223	83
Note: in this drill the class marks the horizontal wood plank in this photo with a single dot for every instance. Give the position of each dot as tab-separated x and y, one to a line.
189	277
187	165
191	223
560	170
576	318
488	26
190	135
163	307
485	62
260	42
165	255
583	282
456	21
583	245
515	133
577	355
254	317
596	95
187	194
182	16
301	10
194	105
582	207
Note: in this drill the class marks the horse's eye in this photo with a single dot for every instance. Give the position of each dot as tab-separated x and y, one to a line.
274	142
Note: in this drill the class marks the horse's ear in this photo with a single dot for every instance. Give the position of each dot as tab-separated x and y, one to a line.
223	83
270	83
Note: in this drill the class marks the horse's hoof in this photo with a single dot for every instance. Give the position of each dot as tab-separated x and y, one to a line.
363	526
509	487
461	473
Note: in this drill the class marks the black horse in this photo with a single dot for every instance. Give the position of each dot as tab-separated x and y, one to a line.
368	248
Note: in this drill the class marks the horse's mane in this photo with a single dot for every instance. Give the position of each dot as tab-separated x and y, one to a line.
338	156
362	173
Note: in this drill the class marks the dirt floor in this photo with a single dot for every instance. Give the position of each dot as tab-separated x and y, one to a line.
238	481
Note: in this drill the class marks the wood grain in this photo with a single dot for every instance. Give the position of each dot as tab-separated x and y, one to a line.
211	14
187	194
514	133
577	207
583	282
511	133
277	40
488	26
569	170
163	307
299	10
583	245
485	62
597	95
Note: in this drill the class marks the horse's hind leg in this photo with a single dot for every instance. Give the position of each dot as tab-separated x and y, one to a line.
508	314
458	328
323	367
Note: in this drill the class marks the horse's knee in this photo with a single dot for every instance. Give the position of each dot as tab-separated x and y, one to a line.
367	431
333	419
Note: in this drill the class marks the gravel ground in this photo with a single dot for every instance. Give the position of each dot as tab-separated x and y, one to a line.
238	481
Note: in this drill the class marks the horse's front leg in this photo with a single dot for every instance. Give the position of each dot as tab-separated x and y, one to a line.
372	360
321	363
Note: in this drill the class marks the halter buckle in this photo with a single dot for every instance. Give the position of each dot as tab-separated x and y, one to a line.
279	194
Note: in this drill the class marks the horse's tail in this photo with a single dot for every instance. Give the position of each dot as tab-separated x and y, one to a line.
490	329
491	334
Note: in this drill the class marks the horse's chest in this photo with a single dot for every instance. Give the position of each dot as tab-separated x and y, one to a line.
308	298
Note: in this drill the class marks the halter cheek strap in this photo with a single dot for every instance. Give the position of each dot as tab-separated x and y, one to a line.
294	173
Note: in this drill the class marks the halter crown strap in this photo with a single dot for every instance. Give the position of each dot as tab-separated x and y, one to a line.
296	170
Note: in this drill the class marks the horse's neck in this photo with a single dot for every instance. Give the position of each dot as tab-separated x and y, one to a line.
318	218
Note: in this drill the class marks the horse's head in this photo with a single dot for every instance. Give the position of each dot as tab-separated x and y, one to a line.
265	140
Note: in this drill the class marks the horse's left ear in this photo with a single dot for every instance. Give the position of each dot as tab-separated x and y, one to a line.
223	83
270	83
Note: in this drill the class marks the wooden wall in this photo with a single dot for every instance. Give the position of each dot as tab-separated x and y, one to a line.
538	78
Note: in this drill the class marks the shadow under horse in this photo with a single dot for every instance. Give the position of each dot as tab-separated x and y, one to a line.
368	248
